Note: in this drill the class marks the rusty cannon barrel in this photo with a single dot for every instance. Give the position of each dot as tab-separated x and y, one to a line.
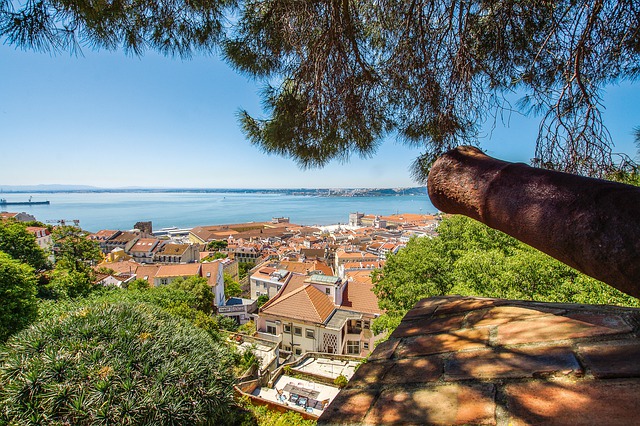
592	225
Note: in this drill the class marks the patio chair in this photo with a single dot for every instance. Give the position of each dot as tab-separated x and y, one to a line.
302	401
294	397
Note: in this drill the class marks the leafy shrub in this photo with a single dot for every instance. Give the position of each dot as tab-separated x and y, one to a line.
340	381
18	303
123	363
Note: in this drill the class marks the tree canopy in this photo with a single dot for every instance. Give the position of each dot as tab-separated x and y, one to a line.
19	305
342	75
472	259
20	244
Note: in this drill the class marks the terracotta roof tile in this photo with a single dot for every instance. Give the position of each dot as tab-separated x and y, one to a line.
305	303
210	271
187	270
126	266
148	271
359	297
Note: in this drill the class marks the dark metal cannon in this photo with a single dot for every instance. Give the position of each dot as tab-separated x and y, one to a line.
590	224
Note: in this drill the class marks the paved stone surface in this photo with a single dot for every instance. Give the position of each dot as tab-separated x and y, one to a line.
515	363
504	314
439	405
428	326
463	360
415	370
444	342
553	328
574	403
349	407
372	372
385	350
612	359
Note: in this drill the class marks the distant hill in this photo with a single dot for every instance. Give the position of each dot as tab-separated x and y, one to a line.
315	192
46	188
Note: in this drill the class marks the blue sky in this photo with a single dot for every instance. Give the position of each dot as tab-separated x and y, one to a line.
111	120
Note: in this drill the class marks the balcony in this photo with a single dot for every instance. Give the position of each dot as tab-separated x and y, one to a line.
276	338
354	330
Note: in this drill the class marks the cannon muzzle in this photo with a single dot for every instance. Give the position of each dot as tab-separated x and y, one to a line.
592	225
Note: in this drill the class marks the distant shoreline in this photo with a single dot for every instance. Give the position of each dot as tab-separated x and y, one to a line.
315	192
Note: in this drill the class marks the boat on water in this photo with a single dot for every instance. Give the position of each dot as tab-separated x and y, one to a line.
4	202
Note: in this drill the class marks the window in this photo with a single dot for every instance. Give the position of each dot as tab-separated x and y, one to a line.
365	324
271	328
365	345
287	328
287	348
327	290
297	331
353	347
309	334
298	351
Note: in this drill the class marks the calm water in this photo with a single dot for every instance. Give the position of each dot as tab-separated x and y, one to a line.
121	210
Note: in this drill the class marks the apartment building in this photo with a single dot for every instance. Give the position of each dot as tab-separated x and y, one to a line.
321	314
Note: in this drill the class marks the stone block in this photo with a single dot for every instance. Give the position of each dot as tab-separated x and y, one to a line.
612	359
506	363
565	402
554	328
445	342
435	405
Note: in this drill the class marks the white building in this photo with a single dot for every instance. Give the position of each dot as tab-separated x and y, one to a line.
321	314
268	281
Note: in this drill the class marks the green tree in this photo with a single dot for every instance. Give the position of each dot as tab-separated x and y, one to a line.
198	287
73	250
244	268
18	306
262	299
231	287
138	284
20	244
349	73
73	275
118	364
69	283
472	259
217	245
342	75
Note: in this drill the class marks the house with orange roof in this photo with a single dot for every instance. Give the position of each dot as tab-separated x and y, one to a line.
114	280
102	236
123	240
144	249
268	280
206	234
43	237
367	267
147	273
167	273
20	217
321	313
214	273
125	267
343	256
176	253
244	254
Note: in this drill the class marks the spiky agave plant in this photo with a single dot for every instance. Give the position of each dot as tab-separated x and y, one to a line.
115	364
